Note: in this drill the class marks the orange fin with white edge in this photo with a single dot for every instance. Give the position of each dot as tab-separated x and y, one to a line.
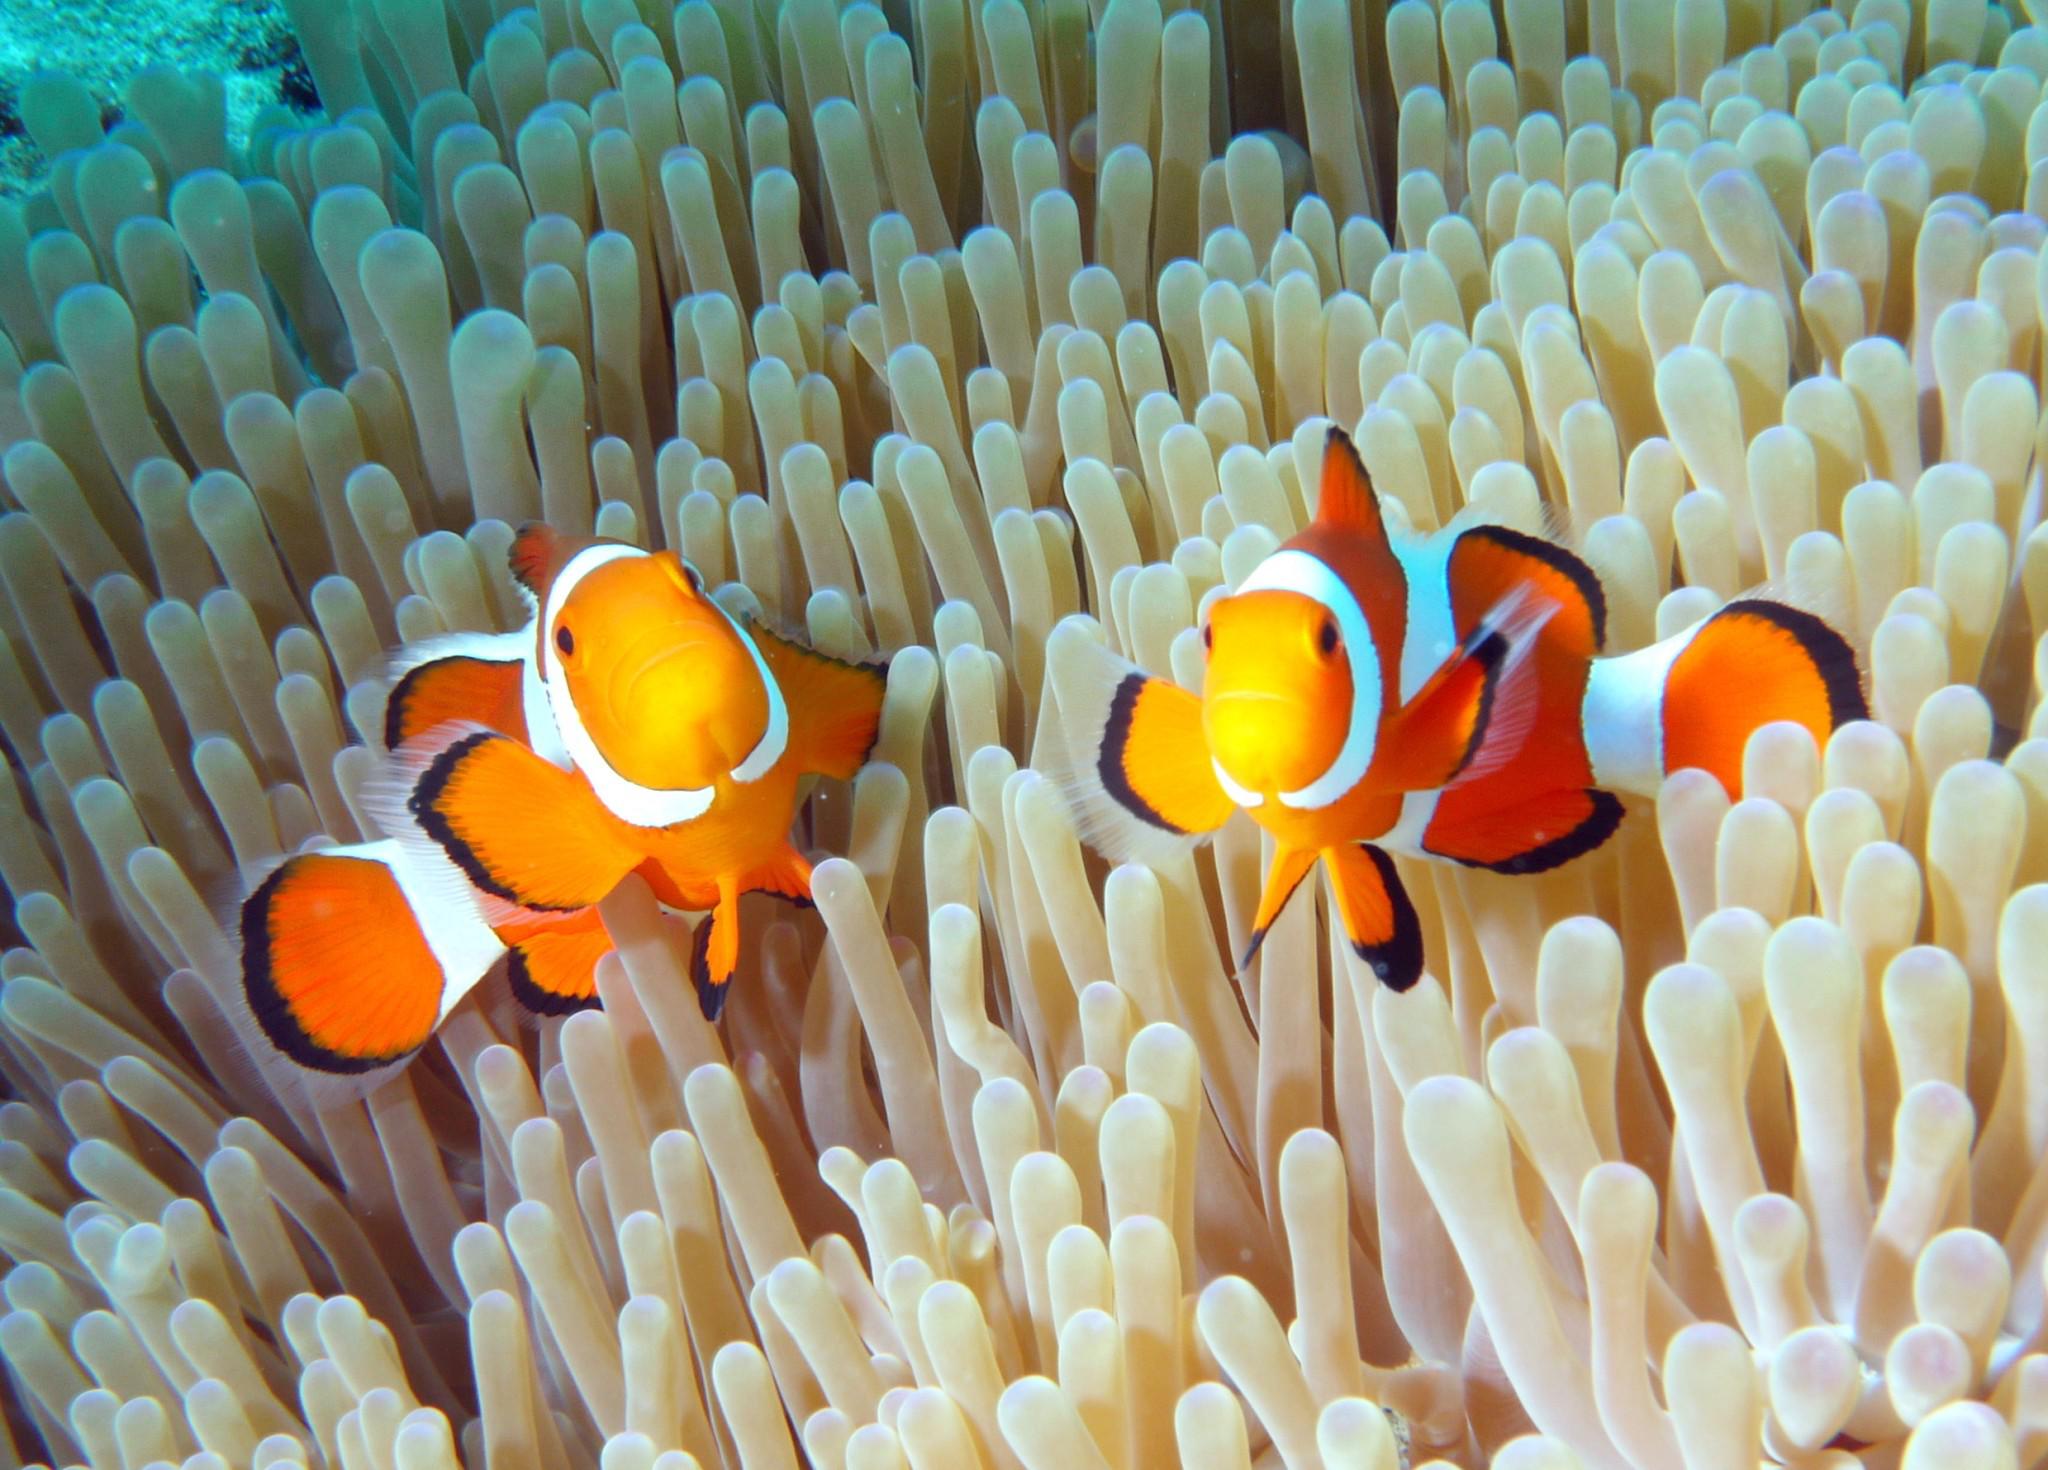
1130	755
1473	826
1378	918
459	689
553	970
1290	866
1751	664
523	830
787	875
835	707
337	968
1154	761
1475	712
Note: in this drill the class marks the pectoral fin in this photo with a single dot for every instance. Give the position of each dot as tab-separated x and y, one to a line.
1154	761
835	708
1379	921
1473	714
524	831
1134	765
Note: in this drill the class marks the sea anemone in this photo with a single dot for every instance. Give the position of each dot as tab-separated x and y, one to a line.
972	333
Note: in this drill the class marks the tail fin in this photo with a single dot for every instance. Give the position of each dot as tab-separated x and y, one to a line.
349	964
1696	698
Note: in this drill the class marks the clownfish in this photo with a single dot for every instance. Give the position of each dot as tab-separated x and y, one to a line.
633	726
1440	696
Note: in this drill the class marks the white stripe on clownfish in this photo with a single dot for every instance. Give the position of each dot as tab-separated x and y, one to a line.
1432	634
775	738
455	933
1311	577
1405	836
1244	796
542	733
1623	715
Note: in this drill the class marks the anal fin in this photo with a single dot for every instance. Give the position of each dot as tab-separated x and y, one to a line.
786	875
678	890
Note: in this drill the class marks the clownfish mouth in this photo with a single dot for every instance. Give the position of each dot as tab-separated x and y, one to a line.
1243	795
678	645
1260	741
671	695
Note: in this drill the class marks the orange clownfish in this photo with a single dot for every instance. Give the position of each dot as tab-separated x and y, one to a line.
1440	697
634	726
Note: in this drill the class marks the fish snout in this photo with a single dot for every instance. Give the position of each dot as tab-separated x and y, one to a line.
1267	741
734	732
1243	727
692	711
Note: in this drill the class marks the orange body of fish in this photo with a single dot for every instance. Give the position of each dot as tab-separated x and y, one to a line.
633	726
1436	697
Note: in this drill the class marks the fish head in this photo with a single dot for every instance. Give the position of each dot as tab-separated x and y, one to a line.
668	690
1277	692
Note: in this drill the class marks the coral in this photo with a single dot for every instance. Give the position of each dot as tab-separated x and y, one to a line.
971	333
106	46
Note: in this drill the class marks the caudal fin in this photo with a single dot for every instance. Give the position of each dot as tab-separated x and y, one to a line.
346	967
1752	664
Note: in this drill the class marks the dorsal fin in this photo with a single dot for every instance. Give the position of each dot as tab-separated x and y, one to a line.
1347	501
538	551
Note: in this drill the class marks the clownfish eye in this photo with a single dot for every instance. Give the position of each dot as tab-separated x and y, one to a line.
1326	636
565	640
